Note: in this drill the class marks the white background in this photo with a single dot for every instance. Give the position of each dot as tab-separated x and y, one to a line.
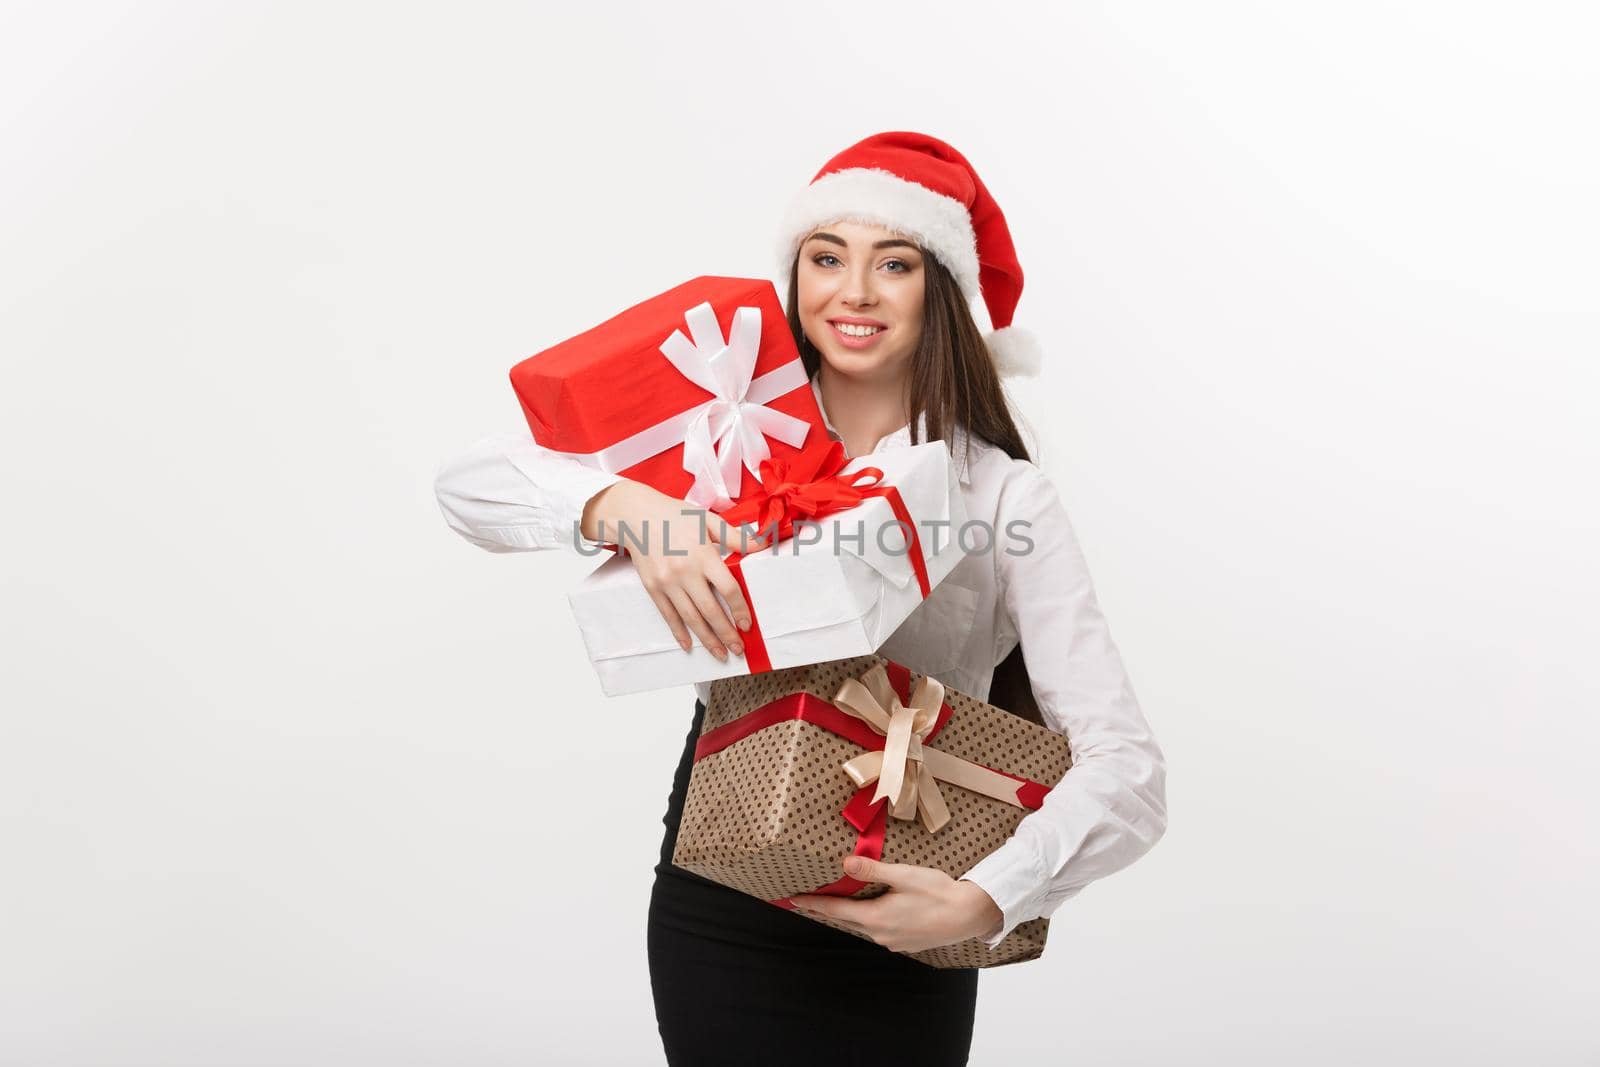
292	775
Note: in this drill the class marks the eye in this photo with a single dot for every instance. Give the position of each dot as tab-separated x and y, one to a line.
818	260
898	263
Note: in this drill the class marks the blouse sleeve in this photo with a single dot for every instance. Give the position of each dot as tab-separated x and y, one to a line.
508	493
1111	806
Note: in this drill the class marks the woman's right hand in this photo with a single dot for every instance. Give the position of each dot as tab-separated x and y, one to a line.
683	583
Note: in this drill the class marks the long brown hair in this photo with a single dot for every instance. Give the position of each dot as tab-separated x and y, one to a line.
953	383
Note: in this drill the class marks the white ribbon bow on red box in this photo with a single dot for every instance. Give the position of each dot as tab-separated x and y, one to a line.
730	430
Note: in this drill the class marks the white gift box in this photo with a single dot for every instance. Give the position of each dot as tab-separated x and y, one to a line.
820	595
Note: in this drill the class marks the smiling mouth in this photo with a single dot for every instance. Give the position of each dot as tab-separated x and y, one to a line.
850	329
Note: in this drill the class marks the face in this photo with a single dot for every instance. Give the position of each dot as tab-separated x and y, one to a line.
859	290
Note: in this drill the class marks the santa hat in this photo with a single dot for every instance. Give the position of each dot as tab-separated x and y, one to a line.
921	187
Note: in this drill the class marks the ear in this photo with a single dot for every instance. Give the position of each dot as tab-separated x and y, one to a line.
1016	353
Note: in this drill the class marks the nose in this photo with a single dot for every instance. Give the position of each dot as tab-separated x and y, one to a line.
858	289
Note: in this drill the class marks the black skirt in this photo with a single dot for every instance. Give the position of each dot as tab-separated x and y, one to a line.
738	980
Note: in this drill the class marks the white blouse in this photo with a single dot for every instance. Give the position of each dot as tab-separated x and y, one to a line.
507	493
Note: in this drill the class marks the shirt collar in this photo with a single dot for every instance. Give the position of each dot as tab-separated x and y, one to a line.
901	438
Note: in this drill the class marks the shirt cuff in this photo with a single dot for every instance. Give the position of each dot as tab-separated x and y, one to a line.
1014	880
578	485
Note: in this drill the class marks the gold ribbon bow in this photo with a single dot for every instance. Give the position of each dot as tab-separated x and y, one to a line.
905	771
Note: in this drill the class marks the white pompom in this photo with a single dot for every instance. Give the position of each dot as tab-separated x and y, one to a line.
1016	353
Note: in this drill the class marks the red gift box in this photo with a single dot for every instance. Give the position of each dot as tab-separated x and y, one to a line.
687	392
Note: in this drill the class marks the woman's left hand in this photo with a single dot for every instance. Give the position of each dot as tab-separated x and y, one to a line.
924	907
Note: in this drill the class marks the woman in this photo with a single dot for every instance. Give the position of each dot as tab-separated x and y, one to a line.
884	250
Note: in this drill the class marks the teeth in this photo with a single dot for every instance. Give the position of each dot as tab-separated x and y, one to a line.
852	330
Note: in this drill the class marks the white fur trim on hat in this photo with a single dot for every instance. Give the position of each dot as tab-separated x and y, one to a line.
1016	353
937	222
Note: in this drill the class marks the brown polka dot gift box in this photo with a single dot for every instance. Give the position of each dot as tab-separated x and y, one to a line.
797	768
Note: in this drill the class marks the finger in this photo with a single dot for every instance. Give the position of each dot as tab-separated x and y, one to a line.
727	585
721	532
832	909
754	540
696	622
739	538
717	616
864	869
680	633
847	909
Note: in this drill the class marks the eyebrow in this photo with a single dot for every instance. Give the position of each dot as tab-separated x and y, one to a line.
893	242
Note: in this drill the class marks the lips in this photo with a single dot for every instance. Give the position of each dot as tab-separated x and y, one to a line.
853	340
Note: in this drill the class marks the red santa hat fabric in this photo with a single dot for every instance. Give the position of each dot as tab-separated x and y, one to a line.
922	187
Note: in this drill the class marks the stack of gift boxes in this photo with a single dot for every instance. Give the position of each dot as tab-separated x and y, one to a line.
700	393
